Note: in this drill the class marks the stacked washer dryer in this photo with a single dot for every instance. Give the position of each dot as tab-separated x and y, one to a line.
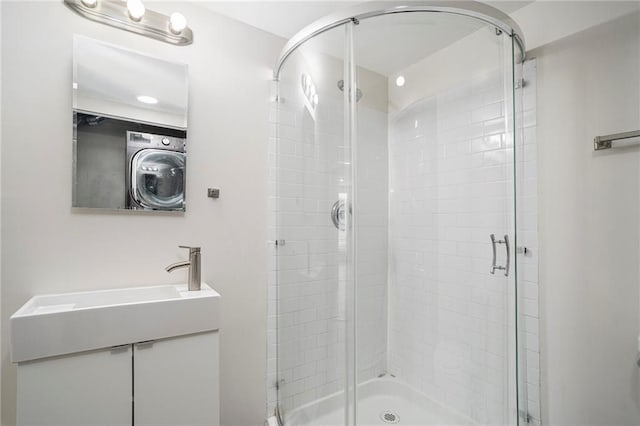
155	177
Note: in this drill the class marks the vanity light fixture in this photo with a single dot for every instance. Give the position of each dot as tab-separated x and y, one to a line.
145	99
131	15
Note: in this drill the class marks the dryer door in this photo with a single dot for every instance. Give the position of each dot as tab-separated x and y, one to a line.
158	179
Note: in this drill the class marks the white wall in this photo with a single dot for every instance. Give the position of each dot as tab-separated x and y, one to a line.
48	248
588	85
563	18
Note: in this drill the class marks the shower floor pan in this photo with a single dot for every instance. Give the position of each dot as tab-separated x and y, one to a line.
380	402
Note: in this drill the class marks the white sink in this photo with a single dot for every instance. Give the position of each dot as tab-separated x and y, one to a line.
58	324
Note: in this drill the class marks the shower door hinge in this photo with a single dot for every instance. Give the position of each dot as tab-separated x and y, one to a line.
520	83
526	416
279	243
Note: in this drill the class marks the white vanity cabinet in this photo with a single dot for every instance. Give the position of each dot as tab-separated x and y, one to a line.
176	381
82	389
132	356
173	381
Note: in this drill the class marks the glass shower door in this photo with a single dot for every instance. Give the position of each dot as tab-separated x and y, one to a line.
312	205
436	343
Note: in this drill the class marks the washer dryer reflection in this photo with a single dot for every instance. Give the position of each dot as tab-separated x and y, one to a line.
155	177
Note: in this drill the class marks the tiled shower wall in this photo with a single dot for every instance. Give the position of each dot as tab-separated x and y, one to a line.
451	187
310	170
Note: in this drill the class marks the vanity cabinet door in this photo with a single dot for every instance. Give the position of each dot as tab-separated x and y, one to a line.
176	381
82	389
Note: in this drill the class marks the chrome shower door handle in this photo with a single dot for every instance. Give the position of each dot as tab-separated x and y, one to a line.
493	247
506	245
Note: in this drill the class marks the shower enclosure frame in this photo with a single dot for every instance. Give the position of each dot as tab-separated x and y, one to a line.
349	18
372	9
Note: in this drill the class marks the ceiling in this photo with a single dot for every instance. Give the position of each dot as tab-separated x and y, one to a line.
282	18
285	18
384	49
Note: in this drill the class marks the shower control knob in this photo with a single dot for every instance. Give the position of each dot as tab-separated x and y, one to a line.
165	141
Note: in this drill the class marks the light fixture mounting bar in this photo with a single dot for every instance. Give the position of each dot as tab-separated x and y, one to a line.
116	14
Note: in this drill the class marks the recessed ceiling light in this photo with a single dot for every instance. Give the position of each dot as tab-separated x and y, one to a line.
147	99
400	81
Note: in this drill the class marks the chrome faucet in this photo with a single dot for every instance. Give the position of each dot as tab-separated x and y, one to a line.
194	267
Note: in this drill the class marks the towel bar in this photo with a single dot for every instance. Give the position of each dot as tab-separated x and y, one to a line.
604	142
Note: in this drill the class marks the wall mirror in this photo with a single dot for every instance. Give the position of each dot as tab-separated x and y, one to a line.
129	129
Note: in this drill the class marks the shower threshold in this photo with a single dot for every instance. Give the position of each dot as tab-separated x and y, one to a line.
381	402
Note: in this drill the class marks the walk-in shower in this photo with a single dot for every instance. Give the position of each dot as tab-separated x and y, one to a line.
394	285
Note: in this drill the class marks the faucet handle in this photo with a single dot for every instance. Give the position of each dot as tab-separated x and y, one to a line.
191	249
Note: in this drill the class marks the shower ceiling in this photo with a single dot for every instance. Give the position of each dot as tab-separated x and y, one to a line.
286	18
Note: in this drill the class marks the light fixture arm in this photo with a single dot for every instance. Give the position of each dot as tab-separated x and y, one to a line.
115	13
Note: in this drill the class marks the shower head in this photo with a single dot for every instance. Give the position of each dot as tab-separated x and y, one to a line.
358	91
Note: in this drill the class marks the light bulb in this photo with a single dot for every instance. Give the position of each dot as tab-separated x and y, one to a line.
90	3
147	99
177	22
315	100
400	81
136	9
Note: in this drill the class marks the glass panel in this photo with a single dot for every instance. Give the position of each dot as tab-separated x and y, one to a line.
515	345
435	328
394	198
525	201
312	173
